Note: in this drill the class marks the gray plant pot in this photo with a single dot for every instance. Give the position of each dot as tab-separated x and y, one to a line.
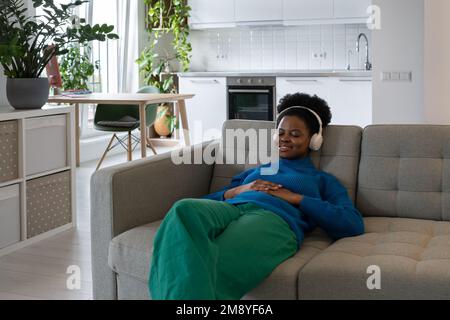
27	93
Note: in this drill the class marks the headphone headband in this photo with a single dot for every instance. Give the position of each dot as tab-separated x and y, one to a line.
305	108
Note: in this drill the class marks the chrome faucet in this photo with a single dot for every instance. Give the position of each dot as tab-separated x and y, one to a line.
368	65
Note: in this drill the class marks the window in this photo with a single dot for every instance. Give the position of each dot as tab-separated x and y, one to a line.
117	70
105	53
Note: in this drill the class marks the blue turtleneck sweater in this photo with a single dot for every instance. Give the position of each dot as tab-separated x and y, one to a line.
325	204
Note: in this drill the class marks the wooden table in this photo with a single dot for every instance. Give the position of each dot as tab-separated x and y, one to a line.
141	99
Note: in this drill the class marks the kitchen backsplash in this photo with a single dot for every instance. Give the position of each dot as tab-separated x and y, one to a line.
279	48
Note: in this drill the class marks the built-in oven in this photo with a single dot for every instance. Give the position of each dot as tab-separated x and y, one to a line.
251	98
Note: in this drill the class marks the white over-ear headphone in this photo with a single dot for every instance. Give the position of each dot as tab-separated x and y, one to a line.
317	139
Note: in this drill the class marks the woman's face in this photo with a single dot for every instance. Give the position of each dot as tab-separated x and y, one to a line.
294	138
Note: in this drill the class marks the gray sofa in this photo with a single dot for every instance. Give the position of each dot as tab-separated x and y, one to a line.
397	175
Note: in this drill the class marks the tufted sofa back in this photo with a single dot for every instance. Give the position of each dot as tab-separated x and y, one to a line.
405	172
339	154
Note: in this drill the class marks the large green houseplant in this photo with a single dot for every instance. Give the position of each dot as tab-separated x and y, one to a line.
28	43
165	17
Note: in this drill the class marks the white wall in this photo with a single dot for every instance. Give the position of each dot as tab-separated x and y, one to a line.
399	46
437	62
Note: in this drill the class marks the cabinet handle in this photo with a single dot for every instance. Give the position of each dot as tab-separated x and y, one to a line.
247	91
303	81
355	80
204	81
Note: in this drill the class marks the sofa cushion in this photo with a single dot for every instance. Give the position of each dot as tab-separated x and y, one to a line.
405	172
130	254
413	257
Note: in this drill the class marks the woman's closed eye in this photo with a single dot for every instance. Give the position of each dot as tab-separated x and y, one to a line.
293	133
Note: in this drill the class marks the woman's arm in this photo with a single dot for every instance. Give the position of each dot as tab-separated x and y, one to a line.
336	214
236	187
235	182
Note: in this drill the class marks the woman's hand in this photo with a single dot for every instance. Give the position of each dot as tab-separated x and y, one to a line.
287	195
257	185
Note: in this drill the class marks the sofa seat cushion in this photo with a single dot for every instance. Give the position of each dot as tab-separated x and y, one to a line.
413	257
130	253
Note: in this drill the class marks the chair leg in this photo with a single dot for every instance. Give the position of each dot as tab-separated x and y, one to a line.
130	147
106	151
150	144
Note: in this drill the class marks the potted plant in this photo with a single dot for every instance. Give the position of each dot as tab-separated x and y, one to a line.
76	67
28	43
165	18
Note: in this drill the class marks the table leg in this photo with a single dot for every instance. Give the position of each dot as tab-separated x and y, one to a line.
143	127
77	134
184	122
177	116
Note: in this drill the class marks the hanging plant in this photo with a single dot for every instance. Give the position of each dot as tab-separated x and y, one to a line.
165	17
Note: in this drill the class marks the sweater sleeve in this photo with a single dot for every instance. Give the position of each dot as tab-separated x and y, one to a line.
237	180
335	213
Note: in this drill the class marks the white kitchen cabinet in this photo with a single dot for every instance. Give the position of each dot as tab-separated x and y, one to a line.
319	86
211	11
348	9
207	110
307	9
350	99
222	14
259	10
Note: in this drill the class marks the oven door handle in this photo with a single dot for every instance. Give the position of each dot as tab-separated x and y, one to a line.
247	91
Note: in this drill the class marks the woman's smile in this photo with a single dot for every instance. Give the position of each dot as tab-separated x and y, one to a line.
285	147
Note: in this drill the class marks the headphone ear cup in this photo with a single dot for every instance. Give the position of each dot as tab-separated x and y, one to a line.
316	142
276	139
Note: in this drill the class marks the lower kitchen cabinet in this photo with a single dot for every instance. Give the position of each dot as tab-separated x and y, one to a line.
319	86
207	111
351	101
349	98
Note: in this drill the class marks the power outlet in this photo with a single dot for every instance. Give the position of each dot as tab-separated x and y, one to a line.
319	55
397	76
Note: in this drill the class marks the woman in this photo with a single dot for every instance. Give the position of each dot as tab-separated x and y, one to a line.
224	245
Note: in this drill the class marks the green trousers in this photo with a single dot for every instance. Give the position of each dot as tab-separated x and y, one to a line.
207	249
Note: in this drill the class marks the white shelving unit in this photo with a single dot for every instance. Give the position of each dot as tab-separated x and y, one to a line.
47	193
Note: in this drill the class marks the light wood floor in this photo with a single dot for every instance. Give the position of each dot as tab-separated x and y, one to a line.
39	271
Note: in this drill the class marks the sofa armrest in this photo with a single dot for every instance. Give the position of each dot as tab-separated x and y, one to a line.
137	193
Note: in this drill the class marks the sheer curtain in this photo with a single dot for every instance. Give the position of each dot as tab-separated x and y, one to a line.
128	49
118	69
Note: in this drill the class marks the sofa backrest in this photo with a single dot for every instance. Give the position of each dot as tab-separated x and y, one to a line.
405	172
339	154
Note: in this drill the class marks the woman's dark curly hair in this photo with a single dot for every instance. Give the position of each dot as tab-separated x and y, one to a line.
314	103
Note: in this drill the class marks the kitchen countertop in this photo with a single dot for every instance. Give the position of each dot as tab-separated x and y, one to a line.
275	73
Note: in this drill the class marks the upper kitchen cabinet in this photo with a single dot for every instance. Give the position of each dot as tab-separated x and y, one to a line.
211	14
262	11
307	9
351	9
222	14
300	12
